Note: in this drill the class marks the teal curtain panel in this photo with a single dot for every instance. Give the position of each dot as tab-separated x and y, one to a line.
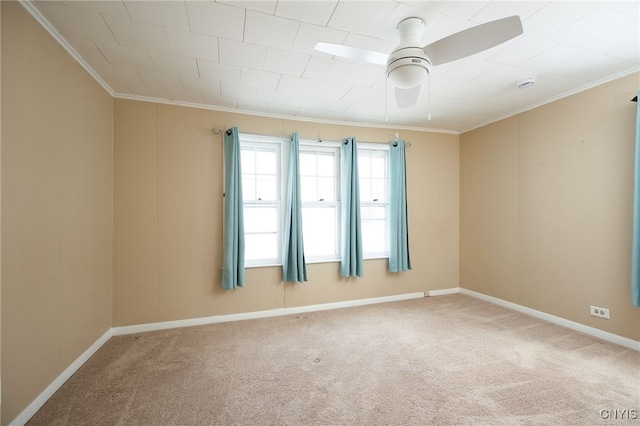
294	268
233	239
635	252
399	259
351	250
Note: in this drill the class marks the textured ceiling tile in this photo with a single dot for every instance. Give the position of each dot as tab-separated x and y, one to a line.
325	69
521	50
313	12
131	57
590	27
155	78
137	34
217	71
457	9
361	17
285	110
194	45
550	58
238	91
106	7
363	94
222	102
269	30
242	54
285	62
297	85
252	105
591	66
175	65
86	48
362	75
119	78
554	17
260	79
77	22
326	89
216	19
272	96
264	6
170	14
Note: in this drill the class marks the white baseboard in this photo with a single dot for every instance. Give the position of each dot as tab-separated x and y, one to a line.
37	403
141	328
576	326
442	292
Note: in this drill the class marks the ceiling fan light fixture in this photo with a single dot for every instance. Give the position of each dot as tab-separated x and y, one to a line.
408	71
408	76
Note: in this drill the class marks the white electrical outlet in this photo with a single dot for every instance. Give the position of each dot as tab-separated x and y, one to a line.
599	312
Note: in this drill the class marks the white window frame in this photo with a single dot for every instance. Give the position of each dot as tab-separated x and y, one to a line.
281	146
260	142
378	150
310	145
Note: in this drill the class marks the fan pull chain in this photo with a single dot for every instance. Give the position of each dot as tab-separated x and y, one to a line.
386	118
429	96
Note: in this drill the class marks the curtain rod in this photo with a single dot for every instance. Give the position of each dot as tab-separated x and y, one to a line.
219	131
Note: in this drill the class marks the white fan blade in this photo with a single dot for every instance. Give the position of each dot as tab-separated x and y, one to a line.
354	53
407	97
473	40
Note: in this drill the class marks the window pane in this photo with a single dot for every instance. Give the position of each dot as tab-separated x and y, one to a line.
364	164
260	219
267	187
379	189
307	164
261	246
248	160
378	166
374	236
326	164
308	188
326	189
365	189
248	187
373	212
266	162
319	231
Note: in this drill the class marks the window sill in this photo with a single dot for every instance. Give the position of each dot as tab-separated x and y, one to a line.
314	262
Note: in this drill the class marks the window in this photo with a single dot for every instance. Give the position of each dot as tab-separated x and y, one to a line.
261	191
264	173
319	190
373	169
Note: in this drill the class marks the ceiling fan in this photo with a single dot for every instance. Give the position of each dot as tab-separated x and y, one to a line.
408	63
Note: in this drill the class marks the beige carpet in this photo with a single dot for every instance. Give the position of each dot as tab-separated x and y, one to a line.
433	361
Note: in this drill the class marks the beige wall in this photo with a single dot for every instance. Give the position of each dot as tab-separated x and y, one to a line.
57	210
0	215
546	205
168	223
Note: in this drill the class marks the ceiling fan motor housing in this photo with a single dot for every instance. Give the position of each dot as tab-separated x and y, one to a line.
407	67
408	64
